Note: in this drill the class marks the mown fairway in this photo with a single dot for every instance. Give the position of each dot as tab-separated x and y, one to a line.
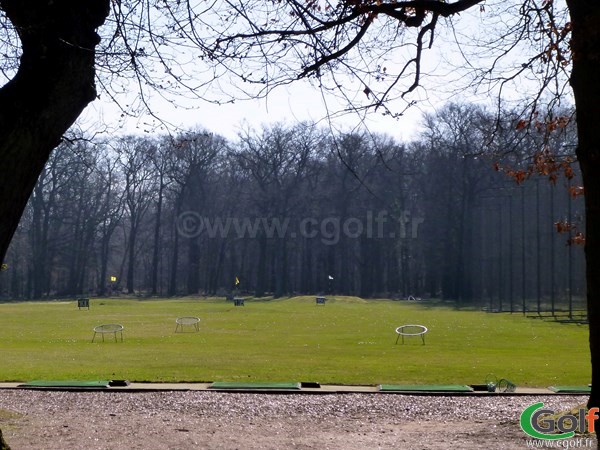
346	341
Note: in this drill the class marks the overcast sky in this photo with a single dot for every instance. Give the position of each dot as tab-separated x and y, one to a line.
289	104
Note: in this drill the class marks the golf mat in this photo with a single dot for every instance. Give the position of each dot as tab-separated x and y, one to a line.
571	389
254	385
424	388
66	384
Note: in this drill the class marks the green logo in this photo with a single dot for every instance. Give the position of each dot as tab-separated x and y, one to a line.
537	426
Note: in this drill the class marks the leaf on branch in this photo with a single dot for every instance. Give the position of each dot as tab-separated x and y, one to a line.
563	226
367	91
569	172
546	164
578	239
518	175
576	191
522	124
549	124
563	121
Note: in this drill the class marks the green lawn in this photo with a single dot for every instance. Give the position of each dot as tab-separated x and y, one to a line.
346	341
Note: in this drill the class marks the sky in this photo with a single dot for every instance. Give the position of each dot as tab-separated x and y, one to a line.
443	68
288	104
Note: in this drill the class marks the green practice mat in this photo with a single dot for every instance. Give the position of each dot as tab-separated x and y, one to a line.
571	389
67	384
254	385
424	388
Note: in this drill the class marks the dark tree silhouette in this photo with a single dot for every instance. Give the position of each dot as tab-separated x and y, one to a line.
53	84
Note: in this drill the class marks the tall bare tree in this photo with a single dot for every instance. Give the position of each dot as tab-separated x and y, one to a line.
135	158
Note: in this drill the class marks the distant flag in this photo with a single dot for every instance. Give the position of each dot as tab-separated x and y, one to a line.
113	278
237	281
330	277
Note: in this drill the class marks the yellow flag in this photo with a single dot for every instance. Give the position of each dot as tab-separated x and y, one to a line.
237	281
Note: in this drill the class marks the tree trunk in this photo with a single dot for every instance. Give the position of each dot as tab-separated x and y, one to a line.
193	279
3	444
281	268
157	226
107	230
585	81
216	270
172	291
104	250
53	85
38	245
131	250
306	268
174	269
75	258
261	271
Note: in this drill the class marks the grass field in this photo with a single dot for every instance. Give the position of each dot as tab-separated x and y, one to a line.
346	341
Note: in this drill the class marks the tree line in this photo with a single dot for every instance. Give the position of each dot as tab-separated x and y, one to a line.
296	209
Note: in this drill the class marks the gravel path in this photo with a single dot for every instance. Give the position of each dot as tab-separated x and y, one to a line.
211	420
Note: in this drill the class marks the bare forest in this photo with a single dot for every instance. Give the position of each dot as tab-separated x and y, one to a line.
298	209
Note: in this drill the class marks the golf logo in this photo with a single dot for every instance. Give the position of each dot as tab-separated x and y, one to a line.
541	423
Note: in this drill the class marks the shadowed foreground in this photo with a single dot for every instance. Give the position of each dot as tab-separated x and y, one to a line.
211	420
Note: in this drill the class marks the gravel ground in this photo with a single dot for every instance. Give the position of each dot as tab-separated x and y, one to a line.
210	420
